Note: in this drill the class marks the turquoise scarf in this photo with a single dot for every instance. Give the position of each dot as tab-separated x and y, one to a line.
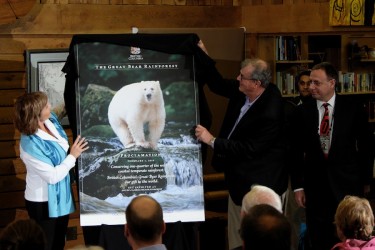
60	200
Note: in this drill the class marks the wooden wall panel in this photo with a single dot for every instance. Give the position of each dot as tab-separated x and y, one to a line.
6	14
21	7
151	2
6	115
12	166
291	18
17	44
251	43
8	132
12	63
112	19
11	183
12	80
9	149
191	2
9	96
11	10
12	200
221	50
171	2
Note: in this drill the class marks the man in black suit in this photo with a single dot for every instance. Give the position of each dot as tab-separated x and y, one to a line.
333	158
250	147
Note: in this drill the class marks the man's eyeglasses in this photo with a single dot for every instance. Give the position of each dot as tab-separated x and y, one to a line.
247	79
317	83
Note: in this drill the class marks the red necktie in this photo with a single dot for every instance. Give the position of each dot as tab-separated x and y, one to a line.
325	131
324	125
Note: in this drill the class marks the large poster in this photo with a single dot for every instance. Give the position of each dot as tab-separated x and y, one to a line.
137	108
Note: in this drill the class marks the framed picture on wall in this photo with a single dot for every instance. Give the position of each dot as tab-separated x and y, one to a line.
351	13
44	74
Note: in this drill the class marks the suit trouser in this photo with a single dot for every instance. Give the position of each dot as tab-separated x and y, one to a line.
295	214
54	228
234	224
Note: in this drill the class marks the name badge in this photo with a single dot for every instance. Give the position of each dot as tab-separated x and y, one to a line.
324	141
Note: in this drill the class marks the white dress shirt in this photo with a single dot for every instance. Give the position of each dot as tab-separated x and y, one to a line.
39	173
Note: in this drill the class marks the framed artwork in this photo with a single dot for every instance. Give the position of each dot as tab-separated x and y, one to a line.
44	74
351	12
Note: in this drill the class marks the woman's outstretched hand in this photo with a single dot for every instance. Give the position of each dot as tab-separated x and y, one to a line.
79	145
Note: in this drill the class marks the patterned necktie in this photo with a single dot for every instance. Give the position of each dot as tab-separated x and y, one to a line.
325	131
324	125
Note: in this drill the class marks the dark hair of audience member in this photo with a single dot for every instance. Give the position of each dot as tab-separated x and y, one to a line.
143	228
264	227
23	235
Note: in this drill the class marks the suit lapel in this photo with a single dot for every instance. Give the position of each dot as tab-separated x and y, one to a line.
312	109
337	114
234	115
311	123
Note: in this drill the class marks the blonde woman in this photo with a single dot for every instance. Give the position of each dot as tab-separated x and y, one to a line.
354	221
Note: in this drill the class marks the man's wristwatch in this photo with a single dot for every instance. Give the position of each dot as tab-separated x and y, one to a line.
212	141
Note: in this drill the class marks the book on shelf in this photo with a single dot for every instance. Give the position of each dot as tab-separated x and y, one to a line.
286	83
351	82
340	84
288	48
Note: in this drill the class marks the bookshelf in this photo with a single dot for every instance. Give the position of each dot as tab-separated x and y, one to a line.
287	55
356	70
360	67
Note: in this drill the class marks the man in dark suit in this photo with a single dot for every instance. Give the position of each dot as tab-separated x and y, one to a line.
250	147
333	158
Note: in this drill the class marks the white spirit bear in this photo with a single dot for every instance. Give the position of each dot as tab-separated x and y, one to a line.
132	107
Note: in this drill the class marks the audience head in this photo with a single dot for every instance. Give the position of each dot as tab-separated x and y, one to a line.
354	219
264	227
28	110
260	195
144	222
23	235
303	83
